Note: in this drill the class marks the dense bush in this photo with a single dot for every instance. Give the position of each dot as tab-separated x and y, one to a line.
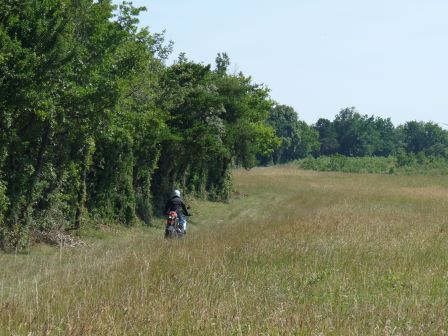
402	164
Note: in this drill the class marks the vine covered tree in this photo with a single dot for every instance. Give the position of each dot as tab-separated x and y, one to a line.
94	125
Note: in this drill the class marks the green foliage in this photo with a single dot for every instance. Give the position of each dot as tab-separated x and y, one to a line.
352	134
427	138
4	204
215	120
402	164
309	140
95	125
361	135
285	122
347	164
297	139
327	137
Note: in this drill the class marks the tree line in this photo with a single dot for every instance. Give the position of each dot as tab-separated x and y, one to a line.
94	125
353	134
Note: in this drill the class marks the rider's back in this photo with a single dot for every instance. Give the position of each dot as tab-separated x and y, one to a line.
175	204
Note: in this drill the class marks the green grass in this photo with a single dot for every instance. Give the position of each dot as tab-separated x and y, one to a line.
301	253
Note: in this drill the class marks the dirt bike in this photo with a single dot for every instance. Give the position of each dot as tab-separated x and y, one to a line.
172	227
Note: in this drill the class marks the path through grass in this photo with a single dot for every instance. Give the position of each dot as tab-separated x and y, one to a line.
297	253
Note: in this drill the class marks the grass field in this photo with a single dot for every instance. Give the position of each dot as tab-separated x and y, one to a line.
297	252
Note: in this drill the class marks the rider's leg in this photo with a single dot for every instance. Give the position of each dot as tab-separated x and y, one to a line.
183	223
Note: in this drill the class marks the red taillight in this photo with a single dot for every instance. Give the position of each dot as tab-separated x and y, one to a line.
171	219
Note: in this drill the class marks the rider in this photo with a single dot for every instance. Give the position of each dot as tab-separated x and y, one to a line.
177	204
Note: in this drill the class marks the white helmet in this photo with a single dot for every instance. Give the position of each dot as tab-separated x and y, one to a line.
176	192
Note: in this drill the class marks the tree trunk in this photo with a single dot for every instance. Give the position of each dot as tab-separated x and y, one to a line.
82	195
37	172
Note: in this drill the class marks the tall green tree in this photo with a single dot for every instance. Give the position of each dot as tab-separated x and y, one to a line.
36	54
216	120
327	137
361	135
72	76
297	138
309	140
285	122
427	138
94	125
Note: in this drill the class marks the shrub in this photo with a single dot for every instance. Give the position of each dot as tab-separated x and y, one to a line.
401	164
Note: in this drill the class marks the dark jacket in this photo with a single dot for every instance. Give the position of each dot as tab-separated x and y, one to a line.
176	204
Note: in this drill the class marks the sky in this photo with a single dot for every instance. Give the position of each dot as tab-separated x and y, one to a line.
388	58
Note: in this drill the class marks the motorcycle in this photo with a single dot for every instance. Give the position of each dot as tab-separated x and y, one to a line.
172	227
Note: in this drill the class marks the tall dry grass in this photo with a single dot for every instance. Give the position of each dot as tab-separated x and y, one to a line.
304	253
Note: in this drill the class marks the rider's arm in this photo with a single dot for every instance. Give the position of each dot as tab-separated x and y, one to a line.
184	209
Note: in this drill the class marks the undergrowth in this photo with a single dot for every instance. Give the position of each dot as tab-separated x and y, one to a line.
404	164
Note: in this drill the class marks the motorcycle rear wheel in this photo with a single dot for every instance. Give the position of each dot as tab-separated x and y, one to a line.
171	232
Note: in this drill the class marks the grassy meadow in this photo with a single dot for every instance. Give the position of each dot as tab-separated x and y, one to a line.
294	253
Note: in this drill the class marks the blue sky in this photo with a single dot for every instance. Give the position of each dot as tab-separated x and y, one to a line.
387	58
